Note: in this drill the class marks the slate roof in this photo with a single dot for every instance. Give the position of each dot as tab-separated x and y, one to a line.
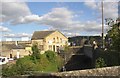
13	46
41	34
7	47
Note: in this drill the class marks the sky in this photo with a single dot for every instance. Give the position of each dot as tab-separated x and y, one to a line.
19	20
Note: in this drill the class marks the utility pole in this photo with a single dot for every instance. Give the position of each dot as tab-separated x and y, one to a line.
102	26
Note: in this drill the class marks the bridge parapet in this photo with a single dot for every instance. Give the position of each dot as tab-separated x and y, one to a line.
106	71
87	49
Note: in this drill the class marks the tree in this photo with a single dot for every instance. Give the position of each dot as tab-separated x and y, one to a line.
36	52
114	34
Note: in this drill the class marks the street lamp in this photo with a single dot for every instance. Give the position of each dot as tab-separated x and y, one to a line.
102	26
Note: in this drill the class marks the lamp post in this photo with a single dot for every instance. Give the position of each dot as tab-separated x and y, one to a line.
102	26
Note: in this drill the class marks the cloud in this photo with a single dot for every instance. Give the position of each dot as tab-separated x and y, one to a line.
26	19
13	10
9	35
54	16
91	4
19	35
24	35
58	18
69	34
62	19
4	29
110	8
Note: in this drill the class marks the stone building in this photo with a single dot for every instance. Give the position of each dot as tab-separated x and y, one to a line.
49	40
46	40
15	49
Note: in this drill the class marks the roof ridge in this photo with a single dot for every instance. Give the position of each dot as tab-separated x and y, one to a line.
45	30
42	34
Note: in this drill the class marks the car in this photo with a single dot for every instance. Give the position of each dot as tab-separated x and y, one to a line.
3	60
10	59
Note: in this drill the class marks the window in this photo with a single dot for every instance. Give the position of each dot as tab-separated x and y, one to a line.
41	47
61	40
50	47
57	40
34	42
53	40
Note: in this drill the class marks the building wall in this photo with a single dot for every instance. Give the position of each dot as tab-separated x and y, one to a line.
6	50
6	54
40	44
22	52
55	39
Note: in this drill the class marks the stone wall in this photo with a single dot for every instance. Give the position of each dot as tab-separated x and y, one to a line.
106	71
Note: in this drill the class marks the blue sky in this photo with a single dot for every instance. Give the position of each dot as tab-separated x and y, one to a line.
71	18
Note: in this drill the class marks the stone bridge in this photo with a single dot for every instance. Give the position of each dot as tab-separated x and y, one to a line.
79	57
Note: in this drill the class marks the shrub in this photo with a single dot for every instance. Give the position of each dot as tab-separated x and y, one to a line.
51	55
48	62
25	64
66	48
100	63
8	71
55	60
44	62
36	52
109	56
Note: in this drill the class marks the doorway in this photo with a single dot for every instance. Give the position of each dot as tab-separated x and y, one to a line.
57	47
10	55
53	47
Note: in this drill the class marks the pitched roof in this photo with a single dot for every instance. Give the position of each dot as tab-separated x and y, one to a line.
8	47
41	34
13	46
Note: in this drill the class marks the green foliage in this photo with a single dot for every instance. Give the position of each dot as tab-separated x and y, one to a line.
25	64
100	63
48	62
114	50
36	52
55	60
109	56
8	71
51	56
44	62
114	33
66	49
